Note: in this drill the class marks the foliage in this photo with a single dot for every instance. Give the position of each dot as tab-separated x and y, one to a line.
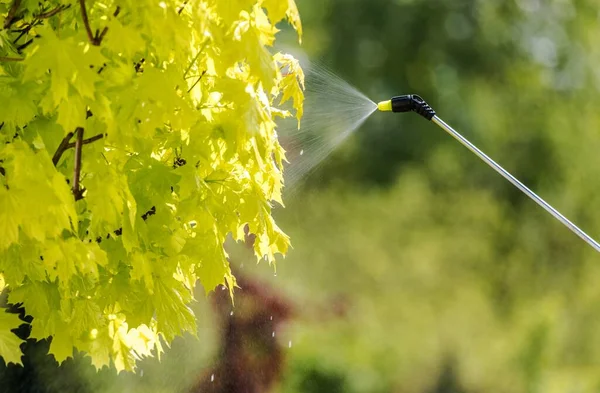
136	136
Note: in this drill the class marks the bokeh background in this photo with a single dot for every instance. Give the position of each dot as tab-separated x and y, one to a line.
415	267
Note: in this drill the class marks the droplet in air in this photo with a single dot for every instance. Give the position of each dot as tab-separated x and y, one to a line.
273	334
231	313
212	378
290	344
142	372
302	152
271	318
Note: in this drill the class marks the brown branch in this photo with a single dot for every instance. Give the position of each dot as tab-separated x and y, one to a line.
86	141
11	59
61	148
51	13
86	22
77	192
11	13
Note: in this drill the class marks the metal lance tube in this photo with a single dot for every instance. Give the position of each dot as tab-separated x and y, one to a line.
417	104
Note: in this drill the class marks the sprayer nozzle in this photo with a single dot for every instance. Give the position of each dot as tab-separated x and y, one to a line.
407	103
385	106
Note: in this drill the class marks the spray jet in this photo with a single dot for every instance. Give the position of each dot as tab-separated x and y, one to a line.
414	103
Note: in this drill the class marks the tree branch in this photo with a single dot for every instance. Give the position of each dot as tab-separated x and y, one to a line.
11	13
86	22
77	192
85	141
11	59
61	148
51	13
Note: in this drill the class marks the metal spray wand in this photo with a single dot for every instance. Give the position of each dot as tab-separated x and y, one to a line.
414	103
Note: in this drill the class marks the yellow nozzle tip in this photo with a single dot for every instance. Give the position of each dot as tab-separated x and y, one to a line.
385	106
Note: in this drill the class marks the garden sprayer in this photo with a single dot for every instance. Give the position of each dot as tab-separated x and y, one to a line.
414	103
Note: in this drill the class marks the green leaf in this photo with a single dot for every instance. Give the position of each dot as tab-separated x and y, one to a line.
9	342
10	218
41	300
177	107
62	344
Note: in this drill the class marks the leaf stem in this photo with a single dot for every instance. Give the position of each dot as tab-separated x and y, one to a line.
197	81
182	7
25	45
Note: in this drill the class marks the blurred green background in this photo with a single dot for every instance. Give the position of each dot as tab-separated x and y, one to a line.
415	267
452	280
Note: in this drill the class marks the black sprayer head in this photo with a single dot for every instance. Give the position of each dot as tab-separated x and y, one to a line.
407	103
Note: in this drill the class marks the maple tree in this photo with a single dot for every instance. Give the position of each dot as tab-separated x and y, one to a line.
135	137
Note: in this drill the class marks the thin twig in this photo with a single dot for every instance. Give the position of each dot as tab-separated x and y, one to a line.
86	22
11	59
23	32
195	58
100	37
25	45
86	141
197	81
61	148
11	13
51	13
77	166
182	7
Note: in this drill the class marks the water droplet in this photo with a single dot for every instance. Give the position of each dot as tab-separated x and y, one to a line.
231	313
212	378
302	152
275	274
142	372
273	334
271	318
290	344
